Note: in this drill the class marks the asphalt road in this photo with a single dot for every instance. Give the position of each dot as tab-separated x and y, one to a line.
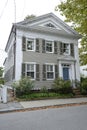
68	118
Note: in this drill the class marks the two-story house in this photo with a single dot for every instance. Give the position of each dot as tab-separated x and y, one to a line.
43	48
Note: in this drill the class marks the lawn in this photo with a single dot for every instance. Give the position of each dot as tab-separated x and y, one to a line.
37	96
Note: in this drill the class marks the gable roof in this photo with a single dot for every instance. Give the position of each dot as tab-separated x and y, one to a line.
50	18
45	23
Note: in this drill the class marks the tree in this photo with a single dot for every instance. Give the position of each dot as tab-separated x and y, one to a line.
1	71
75	11
1	74
29	16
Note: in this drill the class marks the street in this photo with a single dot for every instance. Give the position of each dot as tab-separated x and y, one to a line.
67	118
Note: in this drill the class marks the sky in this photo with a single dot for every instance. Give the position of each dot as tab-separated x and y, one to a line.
16	10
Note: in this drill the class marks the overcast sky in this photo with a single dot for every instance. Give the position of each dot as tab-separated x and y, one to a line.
23	8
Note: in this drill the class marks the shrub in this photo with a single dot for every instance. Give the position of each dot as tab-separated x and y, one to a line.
23	86
62	86
84	86
44	89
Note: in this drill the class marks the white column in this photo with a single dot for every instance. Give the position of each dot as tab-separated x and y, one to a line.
18	58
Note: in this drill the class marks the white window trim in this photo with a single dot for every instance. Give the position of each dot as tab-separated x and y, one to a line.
34	63
53	70
52	46
33	43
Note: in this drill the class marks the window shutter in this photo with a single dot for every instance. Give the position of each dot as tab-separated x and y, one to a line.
13	72
23	69
37	72
43	46
37	45
56	71
72	49
55	47
23	43
44	72
61	48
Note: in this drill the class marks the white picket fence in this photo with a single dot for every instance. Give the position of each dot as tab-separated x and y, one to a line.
4	93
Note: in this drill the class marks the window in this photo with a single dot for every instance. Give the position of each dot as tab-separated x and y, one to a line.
49	46
30	44
50	71
30	70
66	48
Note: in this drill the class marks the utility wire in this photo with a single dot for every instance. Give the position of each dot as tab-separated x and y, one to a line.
2	12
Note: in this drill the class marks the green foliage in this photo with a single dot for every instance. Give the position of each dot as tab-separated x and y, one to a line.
30	16
24	86
84	86
62	86
34	96
44	89
2	81
1	71
75	11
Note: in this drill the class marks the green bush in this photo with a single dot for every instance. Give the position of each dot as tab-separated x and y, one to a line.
84	86
2	81
62	86
23	86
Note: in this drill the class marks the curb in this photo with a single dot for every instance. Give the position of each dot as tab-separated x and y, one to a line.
43	107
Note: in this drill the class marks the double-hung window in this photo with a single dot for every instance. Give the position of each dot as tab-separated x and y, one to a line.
30	70
30	44
66	49
50	71
49	46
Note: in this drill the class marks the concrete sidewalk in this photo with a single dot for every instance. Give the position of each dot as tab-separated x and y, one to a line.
25	105
51	102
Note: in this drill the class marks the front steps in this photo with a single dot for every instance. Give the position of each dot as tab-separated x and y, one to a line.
77	92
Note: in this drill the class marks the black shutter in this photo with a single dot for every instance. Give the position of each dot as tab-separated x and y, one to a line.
56	71
23	69
44	72
37	72
55	47
43	46
72	49
23	43
37	45
61	48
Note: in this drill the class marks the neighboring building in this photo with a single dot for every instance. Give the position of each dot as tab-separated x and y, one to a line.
83	71
44	48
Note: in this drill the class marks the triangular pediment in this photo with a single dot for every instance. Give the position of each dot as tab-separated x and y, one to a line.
49	21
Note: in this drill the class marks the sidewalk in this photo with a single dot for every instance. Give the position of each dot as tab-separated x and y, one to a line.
25	105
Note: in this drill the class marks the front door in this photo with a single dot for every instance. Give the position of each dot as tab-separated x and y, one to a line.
66	73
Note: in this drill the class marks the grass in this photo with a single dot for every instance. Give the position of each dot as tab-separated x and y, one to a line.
37	96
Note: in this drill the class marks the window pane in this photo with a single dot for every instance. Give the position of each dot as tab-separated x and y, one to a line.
50	68
30	74
49	75
30	67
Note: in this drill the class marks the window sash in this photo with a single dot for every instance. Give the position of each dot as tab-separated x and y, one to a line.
66	49
49	46
30	44
30	70
50	71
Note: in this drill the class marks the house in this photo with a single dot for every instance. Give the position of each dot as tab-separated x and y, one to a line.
43	48
83	71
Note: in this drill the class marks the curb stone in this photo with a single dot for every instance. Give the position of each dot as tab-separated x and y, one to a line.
41	108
